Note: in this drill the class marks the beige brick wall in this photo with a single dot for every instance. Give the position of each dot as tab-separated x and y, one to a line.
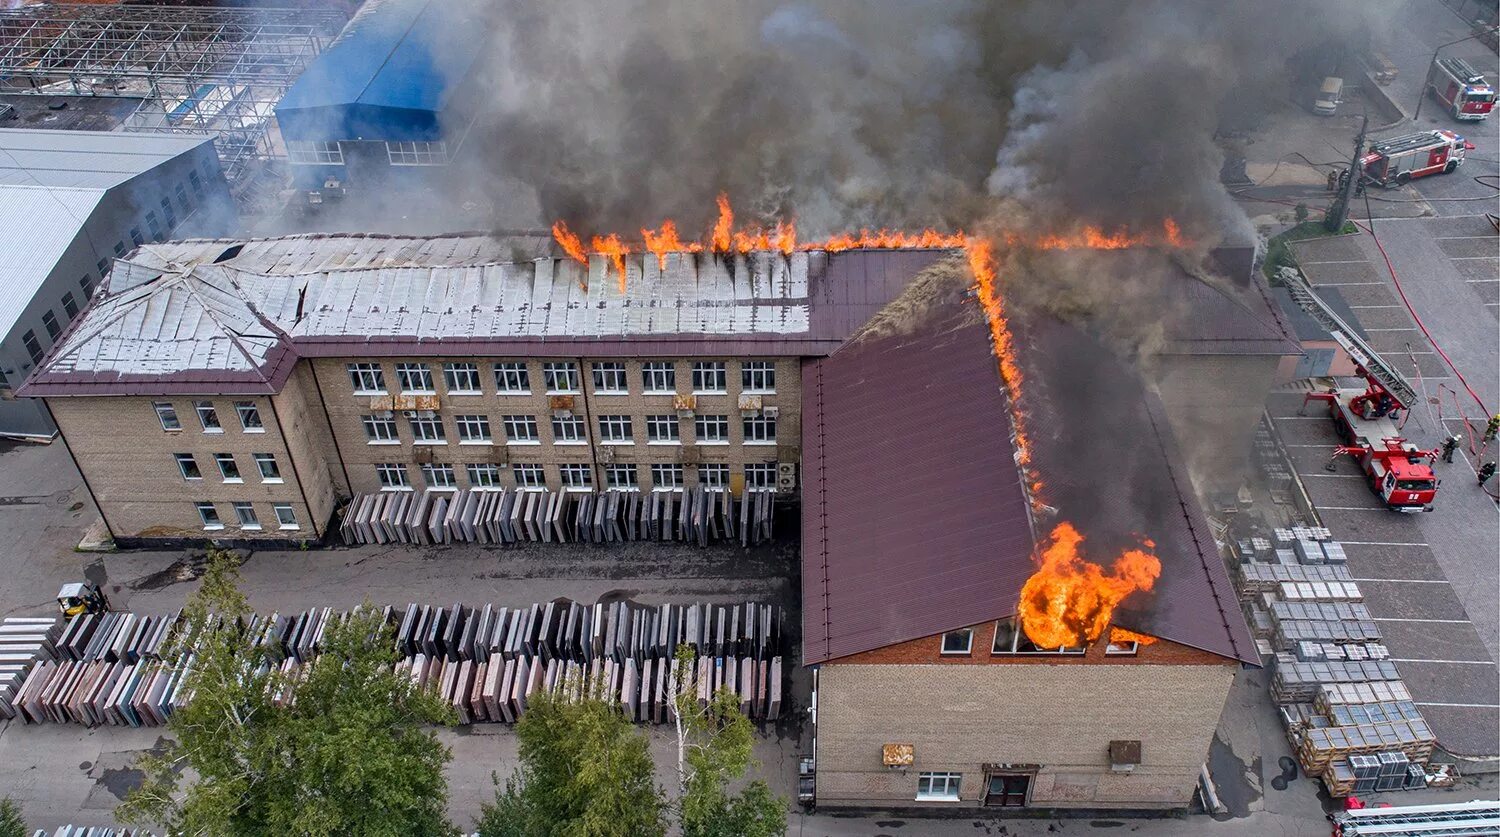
305	427
1061	717
128	461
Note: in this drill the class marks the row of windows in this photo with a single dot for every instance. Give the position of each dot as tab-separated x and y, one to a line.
664	476
1010	639
208	416
330	153
562	377
229	467
245	516
427	428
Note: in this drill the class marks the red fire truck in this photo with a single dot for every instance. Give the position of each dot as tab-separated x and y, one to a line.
1461	88
1394	162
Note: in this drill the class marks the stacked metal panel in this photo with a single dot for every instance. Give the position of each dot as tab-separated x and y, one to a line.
92	831
1268	578
505	516
24	642
1297	682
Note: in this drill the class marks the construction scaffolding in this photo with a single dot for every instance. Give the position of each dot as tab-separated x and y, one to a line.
197	70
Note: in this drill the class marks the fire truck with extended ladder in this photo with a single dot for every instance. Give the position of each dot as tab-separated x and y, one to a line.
1394	162
1398	472
1461	88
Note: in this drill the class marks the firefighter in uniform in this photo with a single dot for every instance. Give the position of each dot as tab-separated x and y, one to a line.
1450	445
1486	471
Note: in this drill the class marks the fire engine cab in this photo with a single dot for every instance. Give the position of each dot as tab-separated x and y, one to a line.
1461	88
1394	162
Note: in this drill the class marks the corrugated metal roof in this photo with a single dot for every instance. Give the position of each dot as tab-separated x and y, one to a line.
36	227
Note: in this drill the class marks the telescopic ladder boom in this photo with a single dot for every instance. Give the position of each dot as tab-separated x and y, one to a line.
1374	365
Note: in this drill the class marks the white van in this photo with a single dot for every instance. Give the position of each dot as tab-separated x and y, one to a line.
1329	96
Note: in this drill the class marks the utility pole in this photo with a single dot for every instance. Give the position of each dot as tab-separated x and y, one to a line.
1422	93
1338	211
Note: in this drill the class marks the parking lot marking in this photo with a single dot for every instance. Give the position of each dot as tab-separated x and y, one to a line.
1344	261
1403	328
1344	284
1381	543
1368	307
1461	237
1332	476
1405	580
1423	621
1449	662
1476	282
1462	705
1352	508
1468	258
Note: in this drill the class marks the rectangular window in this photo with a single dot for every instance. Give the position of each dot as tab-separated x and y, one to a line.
512	378
438	475
70	305
461	378
153	225
483	475
714	477
87	282
417	153
182	197
169	213
473	428
758	376
1010	639
615	429
303	152
415	377
567	430
940	786
760	476
711	429
760	430
958	642
228	468
135	236
49	321
560	376
520	430
426	428
666	477
367	378
286	518
196	183
168	415
609	379
210	516
576	476
246	514
119	248
528	476
1122	649
208	416
269	471
249	416
659	377
621	478
33	348
661	429
188	466
709	377
392	475
380	429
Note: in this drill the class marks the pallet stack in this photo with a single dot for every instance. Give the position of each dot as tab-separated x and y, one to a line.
24	643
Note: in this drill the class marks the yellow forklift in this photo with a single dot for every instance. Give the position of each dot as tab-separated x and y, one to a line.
81	597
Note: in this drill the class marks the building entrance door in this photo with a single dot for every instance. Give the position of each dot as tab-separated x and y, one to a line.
1007	791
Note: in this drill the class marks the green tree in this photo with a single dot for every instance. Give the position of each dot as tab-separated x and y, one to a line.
11	822
585	771
713	751
341	747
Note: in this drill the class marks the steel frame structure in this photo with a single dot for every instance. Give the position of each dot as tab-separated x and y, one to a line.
198	70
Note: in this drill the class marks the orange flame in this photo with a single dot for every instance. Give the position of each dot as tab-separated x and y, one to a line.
724	226
1068	601
569	241
981	258
1122	636
1096	238
611	247
665	240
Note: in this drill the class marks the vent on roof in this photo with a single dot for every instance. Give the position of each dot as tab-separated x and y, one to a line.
229	253
1124	755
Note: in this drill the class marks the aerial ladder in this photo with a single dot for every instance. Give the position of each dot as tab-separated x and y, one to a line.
1461	819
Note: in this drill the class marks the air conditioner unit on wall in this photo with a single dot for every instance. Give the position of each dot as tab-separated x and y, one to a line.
770	412
422	454
562	405
750	404
786	477
606	454
685	405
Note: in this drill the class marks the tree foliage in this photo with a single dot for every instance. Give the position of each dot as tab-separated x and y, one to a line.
12	824
341	747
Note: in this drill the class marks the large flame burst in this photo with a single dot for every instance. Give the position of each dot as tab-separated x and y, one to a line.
1069	600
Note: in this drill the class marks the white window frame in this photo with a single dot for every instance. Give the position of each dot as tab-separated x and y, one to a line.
610	378
286	516
524	423
718	422
622	477
439	476
758	377
309	153
512	378
263	459
576	477
185	459
426	431
483	475
209	514
227	459
208	416
1017	636
1128	649
659	377
560	377
663	429
249	413
393	476
710	377
569	430
759	429
474	429
462	378
666	476
415	378
381	430
754	481
616	430
166	412
952	784
243	510
367	378
718	482
535	476
417	153
968	636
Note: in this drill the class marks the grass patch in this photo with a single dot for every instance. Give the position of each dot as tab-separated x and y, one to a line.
1279	252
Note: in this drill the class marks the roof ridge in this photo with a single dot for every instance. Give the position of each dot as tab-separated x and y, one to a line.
212	311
